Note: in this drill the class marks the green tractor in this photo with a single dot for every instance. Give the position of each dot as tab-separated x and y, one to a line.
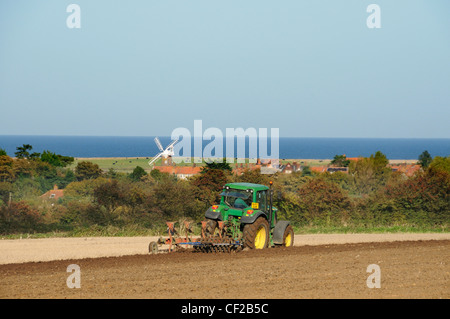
245	218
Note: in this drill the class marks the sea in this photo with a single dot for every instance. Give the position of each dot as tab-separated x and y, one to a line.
289	147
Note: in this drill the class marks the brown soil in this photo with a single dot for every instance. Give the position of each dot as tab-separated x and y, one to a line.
409	269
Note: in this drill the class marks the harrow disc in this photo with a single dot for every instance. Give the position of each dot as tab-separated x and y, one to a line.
153	247
216	244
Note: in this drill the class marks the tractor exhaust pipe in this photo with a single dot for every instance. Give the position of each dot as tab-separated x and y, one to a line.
270	204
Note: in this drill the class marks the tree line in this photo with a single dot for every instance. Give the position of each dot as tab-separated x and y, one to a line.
369	195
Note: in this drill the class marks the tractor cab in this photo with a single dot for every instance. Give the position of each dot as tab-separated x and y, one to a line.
236	198
246	201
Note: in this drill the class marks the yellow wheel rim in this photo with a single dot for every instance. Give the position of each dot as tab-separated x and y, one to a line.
288	240
260	239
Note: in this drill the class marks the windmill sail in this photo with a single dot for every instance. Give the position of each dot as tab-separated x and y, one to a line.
158	143
172	144
155	158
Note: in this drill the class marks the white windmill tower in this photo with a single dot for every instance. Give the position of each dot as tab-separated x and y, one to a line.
166	153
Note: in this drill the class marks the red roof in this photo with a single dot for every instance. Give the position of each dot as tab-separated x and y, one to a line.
408	169
319	169
55	193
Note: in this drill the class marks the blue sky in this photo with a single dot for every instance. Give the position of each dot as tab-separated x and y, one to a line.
144	68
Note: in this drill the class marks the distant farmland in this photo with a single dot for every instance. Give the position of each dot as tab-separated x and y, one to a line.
128	164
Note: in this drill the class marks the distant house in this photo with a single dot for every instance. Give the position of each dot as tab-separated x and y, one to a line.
55	193
182	172
319	169
287	169
337	169
269	166
290	168
296	166
406	169
329	169
354	159
242	167
269	163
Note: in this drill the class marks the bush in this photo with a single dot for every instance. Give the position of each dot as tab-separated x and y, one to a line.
78	213
26	188
253	176
440	164
319	201
176	199
7	173
137	174
423	200
208	185
369	174
83	189
18	217
87	170
5	190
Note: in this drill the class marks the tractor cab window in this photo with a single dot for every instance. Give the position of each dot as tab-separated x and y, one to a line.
236	198
262	200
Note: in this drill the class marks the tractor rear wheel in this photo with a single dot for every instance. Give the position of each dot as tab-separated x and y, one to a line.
288	237
256	235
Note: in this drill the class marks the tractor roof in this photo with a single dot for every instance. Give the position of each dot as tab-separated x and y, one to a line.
256	187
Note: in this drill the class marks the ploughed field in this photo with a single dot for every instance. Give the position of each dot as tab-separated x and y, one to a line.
407	269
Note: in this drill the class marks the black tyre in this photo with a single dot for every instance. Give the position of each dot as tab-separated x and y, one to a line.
256	235
288	237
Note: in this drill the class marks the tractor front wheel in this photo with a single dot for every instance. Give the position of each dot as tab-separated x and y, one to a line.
256	235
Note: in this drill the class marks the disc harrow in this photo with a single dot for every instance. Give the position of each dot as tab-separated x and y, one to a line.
219	242
216	244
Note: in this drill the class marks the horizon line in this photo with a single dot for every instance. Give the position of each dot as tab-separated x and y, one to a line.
168	136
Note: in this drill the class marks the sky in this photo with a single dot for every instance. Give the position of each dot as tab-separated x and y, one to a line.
147	67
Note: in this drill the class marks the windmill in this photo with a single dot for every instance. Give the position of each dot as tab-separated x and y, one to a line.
164	153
